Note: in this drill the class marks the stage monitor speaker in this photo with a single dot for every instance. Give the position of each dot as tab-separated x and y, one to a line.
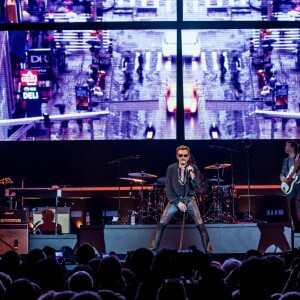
269	208
63	217
14	236
93	235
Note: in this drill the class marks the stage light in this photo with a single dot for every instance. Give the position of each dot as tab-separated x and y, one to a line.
214	132
47	122
149	132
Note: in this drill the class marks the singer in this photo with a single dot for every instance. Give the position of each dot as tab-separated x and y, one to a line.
183	180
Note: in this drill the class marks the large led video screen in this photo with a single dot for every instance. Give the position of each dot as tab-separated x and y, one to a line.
241	83
87	84
86	11
241	10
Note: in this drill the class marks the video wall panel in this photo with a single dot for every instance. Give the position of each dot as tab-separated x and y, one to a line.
101	71
245	85
90	84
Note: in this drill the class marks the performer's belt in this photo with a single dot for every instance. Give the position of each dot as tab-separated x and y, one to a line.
190	195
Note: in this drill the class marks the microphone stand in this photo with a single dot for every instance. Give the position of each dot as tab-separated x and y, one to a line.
248	144
231	151
118	161
232	185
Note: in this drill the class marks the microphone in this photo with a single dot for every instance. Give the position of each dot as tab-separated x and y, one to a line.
35	228
189	171
37	223
16	245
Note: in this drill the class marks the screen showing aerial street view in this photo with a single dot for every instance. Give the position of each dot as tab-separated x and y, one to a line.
241	10
245	85
87	84
52	11
60	11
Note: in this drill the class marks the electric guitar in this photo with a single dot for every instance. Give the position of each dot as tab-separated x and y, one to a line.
6	181
292	177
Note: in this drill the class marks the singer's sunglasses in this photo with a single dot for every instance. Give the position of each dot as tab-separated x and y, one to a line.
183	155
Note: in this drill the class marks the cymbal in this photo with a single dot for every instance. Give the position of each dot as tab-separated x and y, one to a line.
217	166
132	179
142	175
215	180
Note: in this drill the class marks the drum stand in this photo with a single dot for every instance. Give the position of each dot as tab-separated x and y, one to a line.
218	216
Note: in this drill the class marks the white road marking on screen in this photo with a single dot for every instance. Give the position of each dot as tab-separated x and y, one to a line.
159	61
147	63
203	61
215	61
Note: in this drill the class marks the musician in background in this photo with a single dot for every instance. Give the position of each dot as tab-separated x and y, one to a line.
182	183
292	185
48	225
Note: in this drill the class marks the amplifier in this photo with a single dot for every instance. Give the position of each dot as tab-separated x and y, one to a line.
14	237
14	216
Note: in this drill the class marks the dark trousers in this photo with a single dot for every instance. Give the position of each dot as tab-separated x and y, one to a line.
168	214
294	205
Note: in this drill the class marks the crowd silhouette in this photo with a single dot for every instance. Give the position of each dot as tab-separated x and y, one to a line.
145	275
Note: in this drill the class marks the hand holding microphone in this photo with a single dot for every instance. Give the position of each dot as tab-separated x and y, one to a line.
190	170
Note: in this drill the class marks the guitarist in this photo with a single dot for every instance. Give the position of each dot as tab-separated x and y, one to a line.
292	162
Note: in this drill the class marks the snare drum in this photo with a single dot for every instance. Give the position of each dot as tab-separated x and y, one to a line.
225	191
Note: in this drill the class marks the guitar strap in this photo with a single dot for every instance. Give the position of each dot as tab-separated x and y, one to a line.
298	171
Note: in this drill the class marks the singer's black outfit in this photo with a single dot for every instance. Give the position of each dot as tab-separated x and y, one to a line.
181	190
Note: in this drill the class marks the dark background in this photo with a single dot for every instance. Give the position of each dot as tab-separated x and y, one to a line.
86	163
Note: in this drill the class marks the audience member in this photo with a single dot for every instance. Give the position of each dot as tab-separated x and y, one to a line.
110	295
81	281
144	276
278	273
86	295
10	264
2	290
85	253
50	275
31	259
172	289
64	295
230	264
139	262
255	281
48	295
22	289
5	279
110	275
290	296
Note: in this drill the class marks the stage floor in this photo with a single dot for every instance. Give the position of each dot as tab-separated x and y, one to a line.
225	238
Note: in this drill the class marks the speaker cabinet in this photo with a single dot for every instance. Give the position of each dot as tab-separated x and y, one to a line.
93	235
14	235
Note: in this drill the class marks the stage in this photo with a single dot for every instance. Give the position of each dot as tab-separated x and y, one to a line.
225	238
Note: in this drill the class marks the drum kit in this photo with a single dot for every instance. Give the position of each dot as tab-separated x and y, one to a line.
219	198
151	201
216	200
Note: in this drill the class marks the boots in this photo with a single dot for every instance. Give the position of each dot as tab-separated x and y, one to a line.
204	238
157	237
